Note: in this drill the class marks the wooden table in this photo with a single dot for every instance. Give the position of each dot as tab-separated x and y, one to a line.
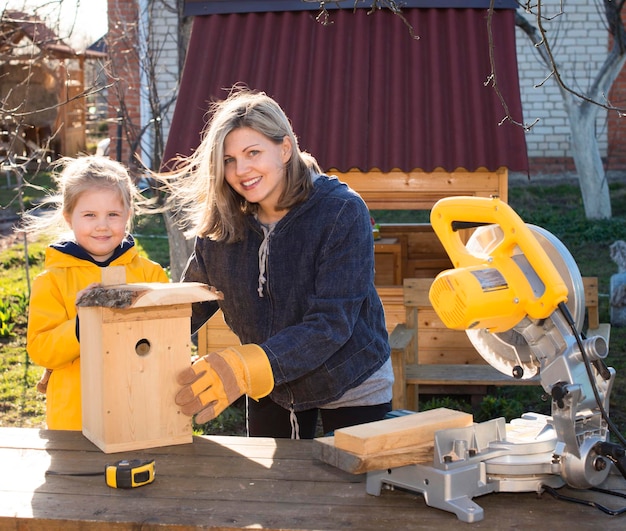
232	483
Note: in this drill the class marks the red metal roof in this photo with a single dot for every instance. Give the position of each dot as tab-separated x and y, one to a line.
361	92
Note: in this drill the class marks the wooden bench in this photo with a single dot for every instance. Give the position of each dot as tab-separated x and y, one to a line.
429	358
421	253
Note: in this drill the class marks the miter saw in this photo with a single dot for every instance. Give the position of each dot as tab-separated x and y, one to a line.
519	295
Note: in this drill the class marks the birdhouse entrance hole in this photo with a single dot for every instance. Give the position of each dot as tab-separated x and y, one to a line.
142	347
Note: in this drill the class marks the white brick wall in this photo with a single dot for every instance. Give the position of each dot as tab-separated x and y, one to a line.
164	45
579	42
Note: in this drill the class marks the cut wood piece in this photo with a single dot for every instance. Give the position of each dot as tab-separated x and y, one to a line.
140	295
399	432
325	450
152	294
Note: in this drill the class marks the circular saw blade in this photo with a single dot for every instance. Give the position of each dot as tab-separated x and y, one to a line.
506	351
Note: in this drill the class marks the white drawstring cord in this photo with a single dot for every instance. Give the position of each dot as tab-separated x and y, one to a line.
295	427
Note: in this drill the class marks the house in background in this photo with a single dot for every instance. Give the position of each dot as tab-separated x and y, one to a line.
582	41
41	87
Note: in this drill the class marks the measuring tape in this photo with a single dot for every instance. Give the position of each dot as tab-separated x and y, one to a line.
127	474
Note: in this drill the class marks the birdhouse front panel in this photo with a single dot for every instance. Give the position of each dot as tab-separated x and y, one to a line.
129	362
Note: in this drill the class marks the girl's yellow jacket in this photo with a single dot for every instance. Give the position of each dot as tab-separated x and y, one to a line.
52	323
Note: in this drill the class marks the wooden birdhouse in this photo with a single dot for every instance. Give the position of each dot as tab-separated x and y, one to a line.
134	340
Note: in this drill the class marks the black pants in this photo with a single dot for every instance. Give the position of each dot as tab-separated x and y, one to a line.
268	419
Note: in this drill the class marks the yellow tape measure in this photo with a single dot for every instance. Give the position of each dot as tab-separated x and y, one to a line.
127	474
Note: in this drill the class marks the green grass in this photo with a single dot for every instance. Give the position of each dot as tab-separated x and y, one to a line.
150	236
20	404
555	207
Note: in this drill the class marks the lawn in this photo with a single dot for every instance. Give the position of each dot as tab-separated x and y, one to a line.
555	206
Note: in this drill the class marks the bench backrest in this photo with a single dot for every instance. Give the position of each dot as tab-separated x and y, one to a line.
437	344
418	190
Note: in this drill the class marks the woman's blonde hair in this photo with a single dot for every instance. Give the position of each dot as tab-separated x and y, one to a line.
209	206
78	175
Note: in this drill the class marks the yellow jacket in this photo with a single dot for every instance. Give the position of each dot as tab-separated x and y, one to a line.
51	339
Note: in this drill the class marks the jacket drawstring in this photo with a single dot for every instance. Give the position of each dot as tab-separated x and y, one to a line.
263	255
295	427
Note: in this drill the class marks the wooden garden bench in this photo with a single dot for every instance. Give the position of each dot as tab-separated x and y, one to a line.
429	358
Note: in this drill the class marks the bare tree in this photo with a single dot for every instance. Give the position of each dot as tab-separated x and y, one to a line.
582	106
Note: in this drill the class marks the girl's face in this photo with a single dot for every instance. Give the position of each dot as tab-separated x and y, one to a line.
99	222
254	167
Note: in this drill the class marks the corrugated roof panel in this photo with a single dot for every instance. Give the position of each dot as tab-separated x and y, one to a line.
361	92
212	7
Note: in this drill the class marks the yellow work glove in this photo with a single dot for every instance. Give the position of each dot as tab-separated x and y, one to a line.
216	380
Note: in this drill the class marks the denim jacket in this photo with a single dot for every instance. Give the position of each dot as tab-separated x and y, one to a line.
317	314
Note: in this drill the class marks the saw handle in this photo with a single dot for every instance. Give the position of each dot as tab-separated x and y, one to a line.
450	214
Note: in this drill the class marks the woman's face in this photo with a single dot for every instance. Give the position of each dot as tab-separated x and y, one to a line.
254	167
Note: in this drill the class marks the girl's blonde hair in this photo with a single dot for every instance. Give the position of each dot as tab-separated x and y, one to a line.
78	176
198	188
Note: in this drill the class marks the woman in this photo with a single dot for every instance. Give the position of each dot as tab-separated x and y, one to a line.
292	251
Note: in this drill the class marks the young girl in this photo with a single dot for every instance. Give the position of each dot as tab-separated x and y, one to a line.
95	202
292	251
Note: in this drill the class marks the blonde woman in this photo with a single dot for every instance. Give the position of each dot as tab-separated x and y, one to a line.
292	251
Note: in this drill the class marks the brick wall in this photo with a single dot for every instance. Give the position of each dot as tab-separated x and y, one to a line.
616	157
124	95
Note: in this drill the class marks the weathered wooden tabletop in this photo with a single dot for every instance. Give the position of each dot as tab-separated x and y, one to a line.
232	483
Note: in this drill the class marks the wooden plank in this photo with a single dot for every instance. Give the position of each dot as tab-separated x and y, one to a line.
215	335
450	356
421	190
451	374
116	315
112	275
400	432
148	294
399	340
325	450
393	305
158	294
126	358
241	483
388	261
416	291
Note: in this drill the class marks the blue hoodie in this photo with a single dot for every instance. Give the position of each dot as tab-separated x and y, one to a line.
304	292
